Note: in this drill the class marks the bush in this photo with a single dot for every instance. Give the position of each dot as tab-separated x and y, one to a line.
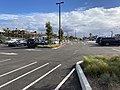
106	79
114	63
107	69
98	65
94	67
2	38
115	58
48	46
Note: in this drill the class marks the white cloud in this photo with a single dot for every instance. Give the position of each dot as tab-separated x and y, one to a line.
8	17
94	20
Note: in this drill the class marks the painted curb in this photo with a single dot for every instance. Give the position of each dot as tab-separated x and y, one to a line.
58	46
82	78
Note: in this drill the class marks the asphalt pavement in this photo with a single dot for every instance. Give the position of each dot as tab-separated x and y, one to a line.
22	68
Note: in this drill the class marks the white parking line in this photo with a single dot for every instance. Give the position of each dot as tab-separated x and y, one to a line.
65	79
41	77
23	75
5	60
75	52
33	50
4	53
17	69
116	50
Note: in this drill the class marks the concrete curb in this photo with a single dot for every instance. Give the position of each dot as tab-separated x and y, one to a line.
58	46
82	78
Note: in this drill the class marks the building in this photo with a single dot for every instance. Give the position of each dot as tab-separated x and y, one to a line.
2	31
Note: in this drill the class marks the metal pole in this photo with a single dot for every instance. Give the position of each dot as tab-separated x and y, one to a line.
60	20
59	24
75	34
111	33
67	36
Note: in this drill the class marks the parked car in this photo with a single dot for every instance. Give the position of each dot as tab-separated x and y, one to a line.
16	42
109	41
98	40
10	41
31	43
55	41
23	42
43	42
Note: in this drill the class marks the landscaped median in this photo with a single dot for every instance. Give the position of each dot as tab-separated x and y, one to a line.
102	72
50	46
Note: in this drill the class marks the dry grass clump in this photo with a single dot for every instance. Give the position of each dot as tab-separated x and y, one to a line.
106	69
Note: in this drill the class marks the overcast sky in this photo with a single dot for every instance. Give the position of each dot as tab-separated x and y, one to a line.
98	17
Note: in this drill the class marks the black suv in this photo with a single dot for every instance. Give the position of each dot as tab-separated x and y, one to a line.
31	43
98	40
109	41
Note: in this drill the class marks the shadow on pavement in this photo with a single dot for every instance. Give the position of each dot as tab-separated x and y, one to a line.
47	87
96	45
72	83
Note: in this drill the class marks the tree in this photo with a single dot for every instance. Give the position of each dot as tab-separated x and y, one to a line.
90	36
55	35
2	38
49	32
61	34
22	33
71	37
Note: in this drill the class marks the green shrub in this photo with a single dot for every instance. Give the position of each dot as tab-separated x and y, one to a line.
48	46
2	38
88	60
105	79
98	65
92	70
104	58
115	58
114	65
93	66
106	69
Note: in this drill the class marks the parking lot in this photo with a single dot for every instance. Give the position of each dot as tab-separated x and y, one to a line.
22	68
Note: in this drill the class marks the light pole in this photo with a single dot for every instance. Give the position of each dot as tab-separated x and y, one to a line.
111	33
59	4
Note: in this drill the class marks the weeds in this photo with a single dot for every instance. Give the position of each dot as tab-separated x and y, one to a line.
103	67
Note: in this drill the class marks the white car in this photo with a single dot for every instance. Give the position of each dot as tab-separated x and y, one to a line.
16	42
10	41
55	42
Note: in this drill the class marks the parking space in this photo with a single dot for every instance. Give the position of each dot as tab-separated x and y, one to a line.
32	76
46	69
103	50
33	69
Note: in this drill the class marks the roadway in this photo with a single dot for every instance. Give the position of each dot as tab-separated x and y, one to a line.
45	69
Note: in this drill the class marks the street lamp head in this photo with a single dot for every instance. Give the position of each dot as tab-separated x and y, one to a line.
60	3
57	3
